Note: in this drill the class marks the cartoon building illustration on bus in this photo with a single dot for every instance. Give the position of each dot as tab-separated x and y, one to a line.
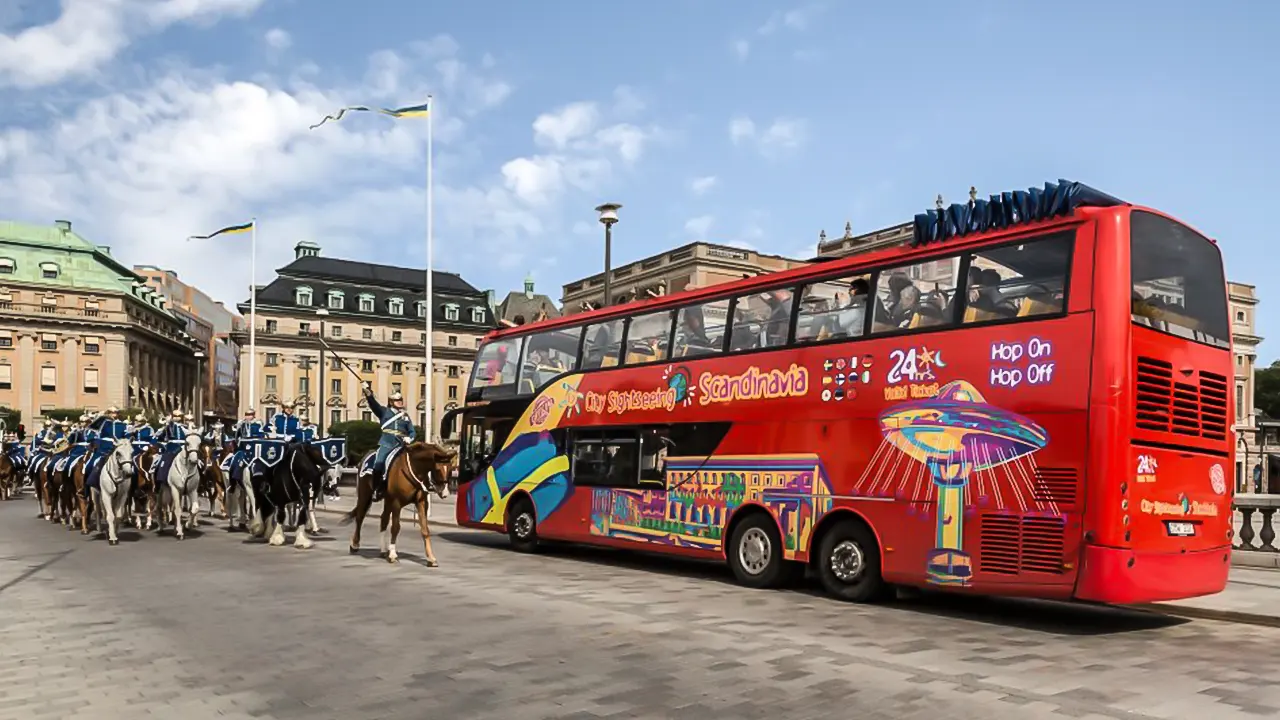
702	493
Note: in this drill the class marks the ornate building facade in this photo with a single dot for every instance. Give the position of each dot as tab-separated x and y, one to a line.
80	330
697	264
1251	466
373	318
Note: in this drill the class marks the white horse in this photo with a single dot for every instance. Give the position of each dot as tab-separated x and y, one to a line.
242	507
111	497
182	483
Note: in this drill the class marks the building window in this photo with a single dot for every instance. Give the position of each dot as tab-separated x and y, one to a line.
304	328
366	303
92	345
270	383
1239	402
6	338
273	326
453	341
335	416
366	334
450	312
49	271
395	306
453	392
268	412
92	308
366	416
477	315
6	377
453	371
48	378
7	266
397	368
397	336
273	359
479	341
335	331
422	339
91	381
304	385
422	309
422	390
335	386
48	341
395	388
336	300
335	364
1240	316
366	366
49	304
302	296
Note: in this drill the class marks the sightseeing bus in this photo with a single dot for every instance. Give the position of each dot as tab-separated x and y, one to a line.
1030	397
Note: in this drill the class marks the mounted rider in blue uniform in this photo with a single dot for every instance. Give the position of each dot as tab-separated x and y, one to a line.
285	425
141	431
81	440
397	430
247	430
106	430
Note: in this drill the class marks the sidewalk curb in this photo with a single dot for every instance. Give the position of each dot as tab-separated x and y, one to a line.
1197	613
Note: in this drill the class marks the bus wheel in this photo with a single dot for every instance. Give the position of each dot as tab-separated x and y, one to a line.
522	526
849	563
755	553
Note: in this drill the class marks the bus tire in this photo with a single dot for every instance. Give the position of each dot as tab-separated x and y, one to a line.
755	552
849	563
522	526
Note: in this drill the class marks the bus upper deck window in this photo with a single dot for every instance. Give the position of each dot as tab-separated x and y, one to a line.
1024	279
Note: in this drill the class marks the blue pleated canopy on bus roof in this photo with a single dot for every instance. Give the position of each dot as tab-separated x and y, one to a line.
1007	210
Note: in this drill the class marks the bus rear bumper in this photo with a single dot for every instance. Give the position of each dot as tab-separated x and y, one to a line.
1123	577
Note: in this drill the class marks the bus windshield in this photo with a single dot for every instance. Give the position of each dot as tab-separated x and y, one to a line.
1178	286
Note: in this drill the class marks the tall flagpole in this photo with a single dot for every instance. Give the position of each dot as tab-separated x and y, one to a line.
253	316
429	370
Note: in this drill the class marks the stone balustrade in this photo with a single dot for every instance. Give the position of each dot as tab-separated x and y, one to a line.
1255	528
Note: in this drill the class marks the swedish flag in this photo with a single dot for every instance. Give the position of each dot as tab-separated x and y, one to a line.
404	112
229	230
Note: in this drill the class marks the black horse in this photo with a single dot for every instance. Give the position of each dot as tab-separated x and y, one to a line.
296	479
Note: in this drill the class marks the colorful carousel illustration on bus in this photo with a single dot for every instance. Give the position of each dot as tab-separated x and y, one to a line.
957	440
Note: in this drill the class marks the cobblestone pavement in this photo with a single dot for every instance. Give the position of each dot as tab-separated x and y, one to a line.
218	627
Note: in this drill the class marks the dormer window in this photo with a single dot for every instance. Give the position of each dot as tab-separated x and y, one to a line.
422	309
302	296
366	302
49	270
477	315
451	312
336	300
395	306
7	266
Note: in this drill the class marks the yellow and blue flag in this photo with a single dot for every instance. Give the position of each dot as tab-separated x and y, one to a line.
404	112
229	230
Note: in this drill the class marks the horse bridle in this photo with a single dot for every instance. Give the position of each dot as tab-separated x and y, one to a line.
408	461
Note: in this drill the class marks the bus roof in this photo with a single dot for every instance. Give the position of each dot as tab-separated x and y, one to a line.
1005	215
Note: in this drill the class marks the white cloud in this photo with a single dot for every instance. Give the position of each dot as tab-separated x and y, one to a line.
784	135
698	227
741	129
702	185
278	39
741	48
571	122
796	19
90	33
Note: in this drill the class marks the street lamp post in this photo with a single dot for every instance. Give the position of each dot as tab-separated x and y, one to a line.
199	384
320	407
608	216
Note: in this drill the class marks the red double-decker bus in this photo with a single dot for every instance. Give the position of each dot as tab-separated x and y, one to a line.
1029	398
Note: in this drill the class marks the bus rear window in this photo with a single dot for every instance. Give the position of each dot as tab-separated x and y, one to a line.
1178	286
496	363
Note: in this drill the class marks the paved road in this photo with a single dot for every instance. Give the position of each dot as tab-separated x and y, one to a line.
216	627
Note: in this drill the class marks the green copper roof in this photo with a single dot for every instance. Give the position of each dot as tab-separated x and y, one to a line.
81	264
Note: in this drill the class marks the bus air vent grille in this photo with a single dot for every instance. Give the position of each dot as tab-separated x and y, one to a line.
1013	545
1196	407
1056	486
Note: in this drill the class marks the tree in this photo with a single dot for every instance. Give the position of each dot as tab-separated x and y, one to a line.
1266	390
362	436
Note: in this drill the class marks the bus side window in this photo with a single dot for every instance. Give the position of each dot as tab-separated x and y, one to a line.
1018	280
606	458
760	320
602	345
700	329
917	296
648	337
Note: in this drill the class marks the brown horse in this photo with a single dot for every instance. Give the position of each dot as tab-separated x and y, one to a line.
77	477
9	477
144	487
419	470
213	486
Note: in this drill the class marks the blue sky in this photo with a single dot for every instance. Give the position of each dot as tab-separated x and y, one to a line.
746	122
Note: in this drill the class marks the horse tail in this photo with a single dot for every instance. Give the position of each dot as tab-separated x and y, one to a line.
349	516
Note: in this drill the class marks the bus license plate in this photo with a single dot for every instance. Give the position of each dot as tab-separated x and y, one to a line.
1182	529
